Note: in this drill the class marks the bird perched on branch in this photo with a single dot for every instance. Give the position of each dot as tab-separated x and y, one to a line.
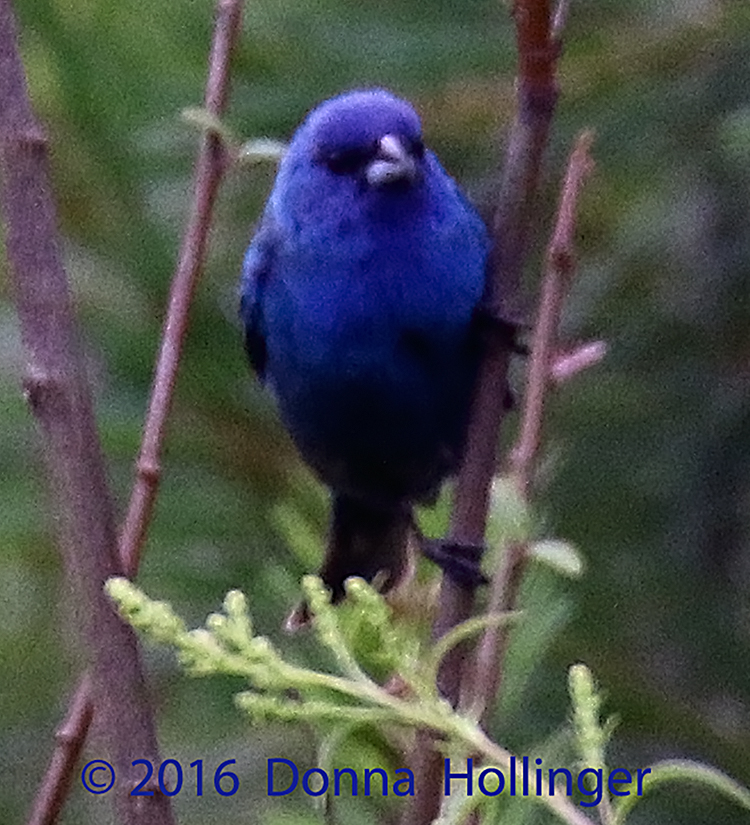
358	299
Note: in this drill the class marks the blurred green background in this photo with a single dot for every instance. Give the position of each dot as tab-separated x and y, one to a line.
647	461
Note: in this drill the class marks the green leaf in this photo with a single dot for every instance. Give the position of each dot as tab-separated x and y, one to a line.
679	770
261	150
559	555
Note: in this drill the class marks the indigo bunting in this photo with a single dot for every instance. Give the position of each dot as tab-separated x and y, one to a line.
358	300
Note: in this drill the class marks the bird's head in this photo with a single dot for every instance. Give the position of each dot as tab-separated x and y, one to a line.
360	141
369	135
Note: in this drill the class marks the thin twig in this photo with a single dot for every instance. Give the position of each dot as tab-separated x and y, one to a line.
209	171
70	738
536	99
210	166
560	19
559	268
60	399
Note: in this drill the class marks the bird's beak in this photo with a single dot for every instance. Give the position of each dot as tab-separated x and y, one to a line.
391	163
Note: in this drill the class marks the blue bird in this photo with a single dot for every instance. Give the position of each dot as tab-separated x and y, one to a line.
358	298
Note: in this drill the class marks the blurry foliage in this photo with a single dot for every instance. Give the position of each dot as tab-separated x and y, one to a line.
646	469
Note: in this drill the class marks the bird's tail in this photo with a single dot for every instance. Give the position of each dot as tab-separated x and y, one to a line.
365	540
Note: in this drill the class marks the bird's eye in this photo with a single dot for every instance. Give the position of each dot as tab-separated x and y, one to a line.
349	161
416	148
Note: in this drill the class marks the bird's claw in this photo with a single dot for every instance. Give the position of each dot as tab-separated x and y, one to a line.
492	321
460	562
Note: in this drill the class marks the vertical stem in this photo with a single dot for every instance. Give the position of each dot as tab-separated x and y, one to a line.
536	99
486	677
59	397
208	173
210	166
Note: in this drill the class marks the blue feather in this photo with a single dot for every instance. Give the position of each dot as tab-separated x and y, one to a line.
358	298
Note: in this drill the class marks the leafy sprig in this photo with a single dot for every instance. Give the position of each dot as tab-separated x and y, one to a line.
280	690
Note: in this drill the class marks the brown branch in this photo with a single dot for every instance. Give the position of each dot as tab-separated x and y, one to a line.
209	171
486	678
210	167
59	397
560	266
70	738
536	98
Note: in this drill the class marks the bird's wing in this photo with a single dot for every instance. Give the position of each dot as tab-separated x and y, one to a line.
256	270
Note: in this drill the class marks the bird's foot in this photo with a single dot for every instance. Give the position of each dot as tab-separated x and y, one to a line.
493	322
460	562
